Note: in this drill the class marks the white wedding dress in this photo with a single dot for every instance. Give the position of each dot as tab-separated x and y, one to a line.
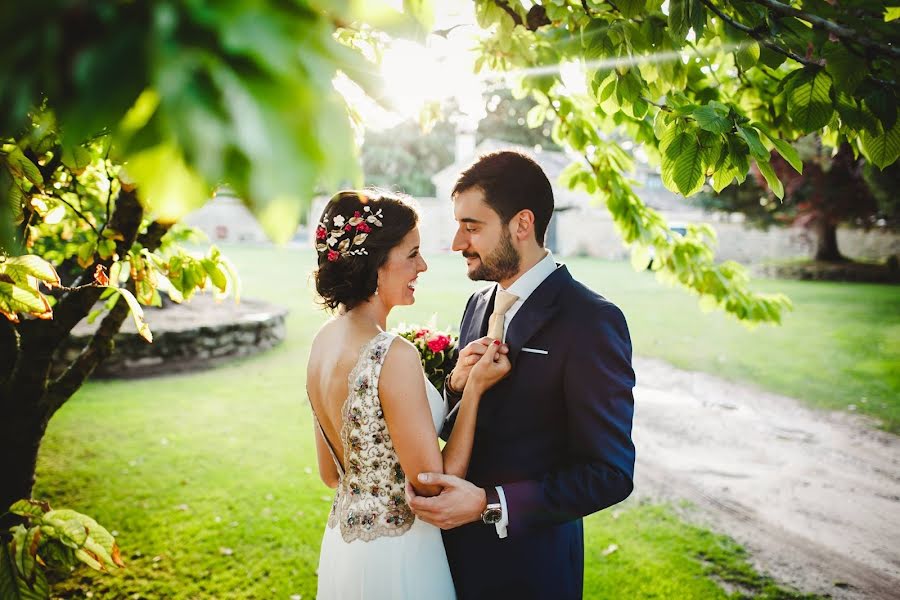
374	547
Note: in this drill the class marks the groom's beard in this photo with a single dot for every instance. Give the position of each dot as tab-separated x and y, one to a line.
500	264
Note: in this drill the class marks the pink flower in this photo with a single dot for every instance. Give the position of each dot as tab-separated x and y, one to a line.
422	333
363	227
321	233
439	343
333	255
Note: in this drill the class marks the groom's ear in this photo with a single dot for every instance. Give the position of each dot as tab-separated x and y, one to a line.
522	224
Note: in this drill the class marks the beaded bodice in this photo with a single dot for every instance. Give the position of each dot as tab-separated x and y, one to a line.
370	501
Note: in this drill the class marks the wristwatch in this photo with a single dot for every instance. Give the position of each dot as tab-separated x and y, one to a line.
449	388
493	512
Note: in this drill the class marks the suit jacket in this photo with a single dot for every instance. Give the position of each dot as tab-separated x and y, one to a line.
555	433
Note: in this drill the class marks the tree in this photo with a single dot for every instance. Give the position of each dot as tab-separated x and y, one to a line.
403	158
189	95
830	191
79	214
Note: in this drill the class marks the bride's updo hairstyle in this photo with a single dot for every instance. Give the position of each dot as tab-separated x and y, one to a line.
356	232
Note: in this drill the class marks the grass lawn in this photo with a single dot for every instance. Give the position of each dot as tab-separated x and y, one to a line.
209	479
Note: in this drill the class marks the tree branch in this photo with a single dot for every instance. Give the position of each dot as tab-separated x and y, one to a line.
10	348
838	30
41	338
79	213
508	10
757	35
96	351
102	342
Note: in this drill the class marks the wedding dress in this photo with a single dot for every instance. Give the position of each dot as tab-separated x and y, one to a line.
374	547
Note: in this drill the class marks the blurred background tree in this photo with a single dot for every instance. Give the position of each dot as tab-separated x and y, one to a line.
833	189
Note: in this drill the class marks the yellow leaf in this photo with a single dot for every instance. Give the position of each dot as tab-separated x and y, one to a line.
138	313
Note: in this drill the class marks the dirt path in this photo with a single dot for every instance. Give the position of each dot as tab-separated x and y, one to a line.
814	496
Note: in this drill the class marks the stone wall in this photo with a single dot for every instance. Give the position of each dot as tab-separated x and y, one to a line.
186	337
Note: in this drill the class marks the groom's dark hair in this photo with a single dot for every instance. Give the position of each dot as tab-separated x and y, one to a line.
511	182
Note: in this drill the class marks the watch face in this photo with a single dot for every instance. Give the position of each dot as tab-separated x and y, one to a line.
492	516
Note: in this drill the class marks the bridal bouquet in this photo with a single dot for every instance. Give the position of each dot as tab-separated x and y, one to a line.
438	350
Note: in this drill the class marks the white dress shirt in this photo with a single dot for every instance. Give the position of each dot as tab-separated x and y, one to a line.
522	287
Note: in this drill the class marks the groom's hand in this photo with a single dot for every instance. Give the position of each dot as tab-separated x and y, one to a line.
468	357
459	502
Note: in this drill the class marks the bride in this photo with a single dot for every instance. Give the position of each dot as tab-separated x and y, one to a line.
376	413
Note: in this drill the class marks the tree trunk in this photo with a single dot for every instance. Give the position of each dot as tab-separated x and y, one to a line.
21	431
28	396
826	242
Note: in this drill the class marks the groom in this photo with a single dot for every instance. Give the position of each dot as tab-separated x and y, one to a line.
553	439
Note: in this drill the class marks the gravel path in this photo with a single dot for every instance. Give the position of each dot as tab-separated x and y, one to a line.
813	495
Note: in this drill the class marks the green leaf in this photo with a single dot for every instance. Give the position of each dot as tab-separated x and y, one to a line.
166	183
76	158
15	299
631	8
18	267
682	164
788	153
137	313
679	19
536	116
26	553
750	136
697	17
846	71
713	117
723	177
215	275
769	173
14	587
747	55
29	508
882	150
883	104
809	101
20	166
66	528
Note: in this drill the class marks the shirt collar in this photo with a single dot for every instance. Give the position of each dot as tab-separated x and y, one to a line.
532	278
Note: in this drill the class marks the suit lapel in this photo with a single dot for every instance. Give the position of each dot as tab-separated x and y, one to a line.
537	310
540	307
476	325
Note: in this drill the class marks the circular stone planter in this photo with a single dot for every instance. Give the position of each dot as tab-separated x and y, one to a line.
193	335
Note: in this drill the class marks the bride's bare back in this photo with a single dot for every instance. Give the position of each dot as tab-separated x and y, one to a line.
334	353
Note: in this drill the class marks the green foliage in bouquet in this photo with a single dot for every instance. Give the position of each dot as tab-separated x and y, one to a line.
50	539
438	350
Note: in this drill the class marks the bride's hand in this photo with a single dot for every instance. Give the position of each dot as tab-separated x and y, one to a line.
490	368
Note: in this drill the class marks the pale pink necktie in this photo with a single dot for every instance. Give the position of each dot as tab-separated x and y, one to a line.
502	303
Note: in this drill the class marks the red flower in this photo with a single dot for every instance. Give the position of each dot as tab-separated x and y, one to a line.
363	227
356	213
321	233
348	227
333	256
422	333
439	343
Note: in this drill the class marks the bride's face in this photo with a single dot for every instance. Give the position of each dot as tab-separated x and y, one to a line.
397	277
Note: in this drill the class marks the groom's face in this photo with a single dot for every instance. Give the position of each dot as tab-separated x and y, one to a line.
483	239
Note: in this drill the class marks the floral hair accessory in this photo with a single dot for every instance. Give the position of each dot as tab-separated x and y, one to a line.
346	236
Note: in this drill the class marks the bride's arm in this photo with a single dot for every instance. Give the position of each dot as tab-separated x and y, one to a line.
401	388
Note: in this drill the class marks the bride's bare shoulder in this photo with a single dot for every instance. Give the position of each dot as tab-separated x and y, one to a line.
402	360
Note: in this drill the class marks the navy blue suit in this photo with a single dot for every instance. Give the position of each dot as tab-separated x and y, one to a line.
556	434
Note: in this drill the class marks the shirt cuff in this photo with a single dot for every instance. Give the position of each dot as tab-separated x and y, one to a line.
502	524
